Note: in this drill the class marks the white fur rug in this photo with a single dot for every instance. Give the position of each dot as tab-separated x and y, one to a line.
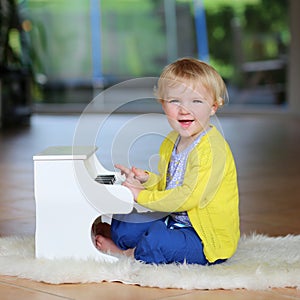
260	262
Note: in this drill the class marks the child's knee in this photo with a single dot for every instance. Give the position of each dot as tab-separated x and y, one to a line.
150	248
162	245
125	234
120	235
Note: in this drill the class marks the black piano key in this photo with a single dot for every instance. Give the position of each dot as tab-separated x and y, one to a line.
106	179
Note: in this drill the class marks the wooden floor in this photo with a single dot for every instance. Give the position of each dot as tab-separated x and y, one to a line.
267	152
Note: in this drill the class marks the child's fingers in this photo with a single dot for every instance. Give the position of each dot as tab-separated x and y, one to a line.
138	172
123	169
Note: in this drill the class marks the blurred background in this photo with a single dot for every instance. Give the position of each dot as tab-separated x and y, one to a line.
56	55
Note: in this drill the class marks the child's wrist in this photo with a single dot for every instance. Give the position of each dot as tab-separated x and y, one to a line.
145	177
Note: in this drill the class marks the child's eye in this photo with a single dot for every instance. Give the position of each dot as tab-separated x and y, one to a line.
174	101
198	101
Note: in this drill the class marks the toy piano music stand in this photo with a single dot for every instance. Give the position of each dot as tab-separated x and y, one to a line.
72	189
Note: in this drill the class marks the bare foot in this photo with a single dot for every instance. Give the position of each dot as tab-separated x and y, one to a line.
101	229
105	244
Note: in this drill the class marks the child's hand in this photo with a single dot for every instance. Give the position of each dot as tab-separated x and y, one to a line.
135	187
124	171
140	174
133	173
134	179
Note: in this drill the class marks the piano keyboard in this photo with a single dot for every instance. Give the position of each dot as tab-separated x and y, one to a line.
106	179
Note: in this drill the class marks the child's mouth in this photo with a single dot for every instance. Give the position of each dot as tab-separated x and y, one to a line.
185	123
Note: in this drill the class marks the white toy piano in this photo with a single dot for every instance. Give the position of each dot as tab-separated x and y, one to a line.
72	189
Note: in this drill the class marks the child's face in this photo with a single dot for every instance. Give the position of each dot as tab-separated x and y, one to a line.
188	110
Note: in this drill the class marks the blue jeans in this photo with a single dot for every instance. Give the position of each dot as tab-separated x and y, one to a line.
155	241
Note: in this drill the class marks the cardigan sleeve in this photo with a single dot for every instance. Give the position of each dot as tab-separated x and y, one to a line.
153	181
204	173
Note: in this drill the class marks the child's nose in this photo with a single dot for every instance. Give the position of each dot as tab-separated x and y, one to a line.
183	109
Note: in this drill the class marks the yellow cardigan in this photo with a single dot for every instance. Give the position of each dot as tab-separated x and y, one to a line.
209	193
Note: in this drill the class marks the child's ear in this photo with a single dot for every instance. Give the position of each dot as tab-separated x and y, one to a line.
214	108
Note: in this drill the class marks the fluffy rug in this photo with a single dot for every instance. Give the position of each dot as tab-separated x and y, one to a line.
260	262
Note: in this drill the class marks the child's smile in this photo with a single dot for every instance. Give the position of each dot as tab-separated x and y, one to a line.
185	123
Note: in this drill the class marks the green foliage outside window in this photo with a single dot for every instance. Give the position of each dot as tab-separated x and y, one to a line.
134	36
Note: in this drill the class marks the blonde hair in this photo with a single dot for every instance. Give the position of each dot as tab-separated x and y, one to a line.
193	72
